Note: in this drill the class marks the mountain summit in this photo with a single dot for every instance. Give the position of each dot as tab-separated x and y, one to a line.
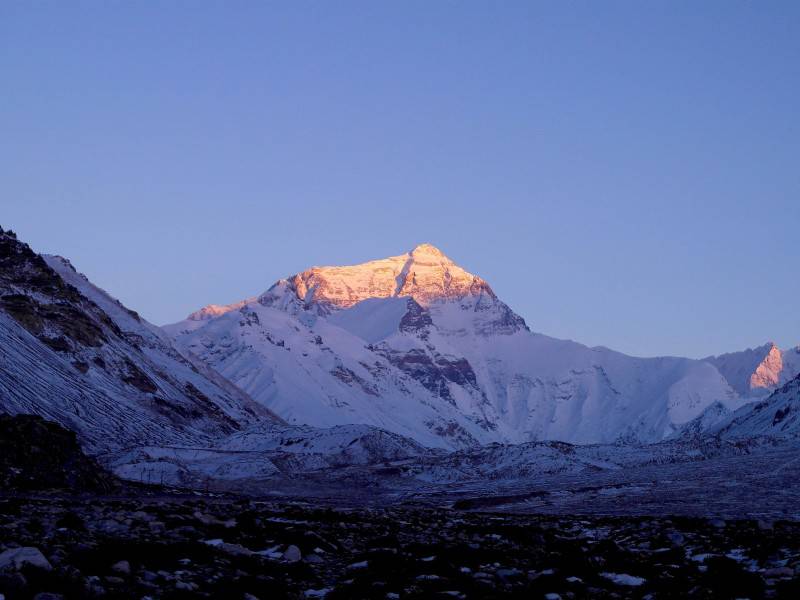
425	274
758	371
429	250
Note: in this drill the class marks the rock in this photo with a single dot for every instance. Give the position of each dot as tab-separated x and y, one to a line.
24	466
779	572
624	579
676	538
206	519
140	515
292	554
111	526
12	582
508	573
45	596
15	558
186	586
95	589
234	549
123	567
718	523
314	559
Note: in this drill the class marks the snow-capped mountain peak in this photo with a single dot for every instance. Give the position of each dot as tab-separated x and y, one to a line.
757	371
212	311
425	274
768	372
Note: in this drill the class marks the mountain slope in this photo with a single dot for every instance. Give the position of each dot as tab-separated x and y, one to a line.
758	371
419	346
776	416
312	372
72	354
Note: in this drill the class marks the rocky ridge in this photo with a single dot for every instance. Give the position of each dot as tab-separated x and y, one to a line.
72	354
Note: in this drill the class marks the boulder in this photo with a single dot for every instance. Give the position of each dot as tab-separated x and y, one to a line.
15	558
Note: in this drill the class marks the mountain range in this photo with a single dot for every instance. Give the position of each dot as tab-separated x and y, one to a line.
409	366
417	345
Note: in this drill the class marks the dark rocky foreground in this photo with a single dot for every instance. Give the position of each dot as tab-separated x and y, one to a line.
204	546
36	454
68	529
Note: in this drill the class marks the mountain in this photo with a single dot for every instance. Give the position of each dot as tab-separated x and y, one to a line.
72	354
760	370
777	416
376	371
417	345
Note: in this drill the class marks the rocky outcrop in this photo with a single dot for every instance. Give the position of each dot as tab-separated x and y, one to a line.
75	355
434	371
36	455
758	371
416	321
768	372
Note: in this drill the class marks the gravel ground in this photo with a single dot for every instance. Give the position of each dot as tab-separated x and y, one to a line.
201	546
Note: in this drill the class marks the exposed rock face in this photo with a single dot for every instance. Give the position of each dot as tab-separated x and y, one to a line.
768	372
425	275
757	371
416	321
41	302
433	371
75	355
36	454
17	558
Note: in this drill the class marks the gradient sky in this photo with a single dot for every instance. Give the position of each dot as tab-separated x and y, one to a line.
623	173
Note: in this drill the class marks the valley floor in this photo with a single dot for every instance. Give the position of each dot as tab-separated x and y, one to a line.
202	546
761	485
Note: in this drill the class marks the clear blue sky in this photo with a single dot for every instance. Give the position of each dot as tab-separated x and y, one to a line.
622	173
